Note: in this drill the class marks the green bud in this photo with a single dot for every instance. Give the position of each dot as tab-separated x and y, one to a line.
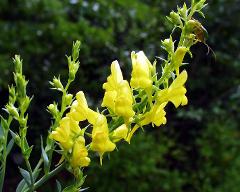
23	121
168	45
12	94
175	18
75	50
53	109
21	84
25	104
57	83
200	5
68	99
18	64
73	68
12	110
183	11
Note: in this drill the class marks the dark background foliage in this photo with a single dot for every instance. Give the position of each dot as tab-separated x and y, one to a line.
198	149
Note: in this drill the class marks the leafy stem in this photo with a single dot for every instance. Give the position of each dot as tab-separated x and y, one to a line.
47	176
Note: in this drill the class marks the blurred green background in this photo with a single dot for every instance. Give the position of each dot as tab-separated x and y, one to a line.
199	148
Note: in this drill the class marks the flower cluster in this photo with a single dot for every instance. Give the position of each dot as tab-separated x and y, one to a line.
129	105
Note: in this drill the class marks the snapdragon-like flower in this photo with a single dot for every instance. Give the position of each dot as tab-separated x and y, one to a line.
79	108
175	93
118	95
141	71
65	132
156	116
100	137
178	57
79	156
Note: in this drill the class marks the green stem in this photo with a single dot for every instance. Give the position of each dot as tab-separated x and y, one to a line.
30	173
63	109
47	177
2	176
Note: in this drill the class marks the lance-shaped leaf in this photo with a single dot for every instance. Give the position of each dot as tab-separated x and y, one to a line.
45	157
59	186
26	175
10	146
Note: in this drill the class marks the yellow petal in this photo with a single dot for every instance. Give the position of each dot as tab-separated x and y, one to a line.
79	155
120	133
180	80
141	71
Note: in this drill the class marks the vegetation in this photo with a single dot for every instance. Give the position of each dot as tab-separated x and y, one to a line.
197	151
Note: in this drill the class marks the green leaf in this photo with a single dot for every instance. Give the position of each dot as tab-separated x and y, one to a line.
10	146
71	188
1	131
59	187
4	124
15	137
45	157
26	175
21	186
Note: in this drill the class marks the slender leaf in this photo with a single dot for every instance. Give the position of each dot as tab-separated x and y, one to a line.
4	124
45	157
1	132
10	146
25	175
71	188
59	187
23	185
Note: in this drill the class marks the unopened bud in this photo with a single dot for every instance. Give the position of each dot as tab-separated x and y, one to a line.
12	110
52	108
57	83
75	50
168	45
175	18
68	99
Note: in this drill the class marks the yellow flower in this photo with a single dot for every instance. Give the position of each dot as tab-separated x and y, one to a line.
141	71
79	108
118	95
120	133
176	91
178	57
65	132
124	101
100	137
79	156
156	116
